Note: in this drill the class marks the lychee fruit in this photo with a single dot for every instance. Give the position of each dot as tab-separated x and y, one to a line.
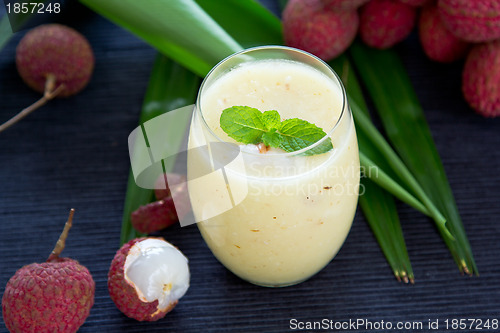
438	42
343	4
54	296
383	23
54	60
472	21
309	26
415	3
172	206
481	79
147	278
55	52
154	216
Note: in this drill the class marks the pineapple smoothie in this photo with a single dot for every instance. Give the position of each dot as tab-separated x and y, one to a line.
289	213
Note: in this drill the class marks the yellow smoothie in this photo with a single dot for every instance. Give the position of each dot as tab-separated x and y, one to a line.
290	213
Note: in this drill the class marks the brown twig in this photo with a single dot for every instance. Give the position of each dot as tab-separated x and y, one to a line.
61	242
48	94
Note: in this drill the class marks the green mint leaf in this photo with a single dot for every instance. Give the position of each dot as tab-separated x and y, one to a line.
271	119
272	138
298	134
243	123
248	125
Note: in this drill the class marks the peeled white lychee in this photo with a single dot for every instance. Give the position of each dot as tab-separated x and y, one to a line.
147	278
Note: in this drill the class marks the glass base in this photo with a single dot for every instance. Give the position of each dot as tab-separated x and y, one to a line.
277	285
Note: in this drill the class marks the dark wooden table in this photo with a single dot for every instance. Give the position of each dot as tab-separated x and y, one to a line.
73	153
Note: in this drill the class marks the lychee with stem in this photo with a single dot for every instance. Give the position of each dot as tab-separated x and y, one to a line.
472	21
384	23
309	26
147	278
54	296
172	205
438	43
54	60
481	79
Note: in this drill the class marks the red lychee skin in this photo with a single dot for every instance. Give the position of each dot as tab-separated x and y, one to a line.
307	25
124	295
383	23
343	4
481	79
163	213
59	50
54	296
472	20
438	42
415	3
154	216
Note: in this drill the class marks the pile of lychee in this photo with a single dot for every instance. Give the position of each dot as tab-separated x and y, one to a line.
449	30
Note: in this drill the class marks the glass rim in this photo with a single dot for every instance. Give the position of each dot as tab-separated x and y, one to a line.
274	47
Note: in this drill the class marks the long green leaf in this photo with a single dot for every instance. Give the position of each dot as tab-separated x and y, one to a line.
343	68
247	21
366	135
382	179
401	170
5	31
404	121
381	214
375	153
180	29
398	167
378	206
170	87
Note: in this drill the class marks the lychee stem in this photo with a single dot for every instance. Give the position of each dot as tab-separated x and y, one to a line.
48	94
61	242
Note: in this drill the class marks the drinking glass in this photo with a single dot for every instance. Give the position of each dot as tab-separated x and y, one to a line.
274	218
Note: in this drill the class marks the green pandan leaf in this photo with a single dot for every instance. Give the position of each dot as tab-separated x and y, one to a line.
5	31
180	29
171	86
404	121
247	21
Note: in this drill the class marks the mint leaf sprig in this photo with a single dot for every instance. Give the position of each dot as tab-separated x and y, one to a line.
248	125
